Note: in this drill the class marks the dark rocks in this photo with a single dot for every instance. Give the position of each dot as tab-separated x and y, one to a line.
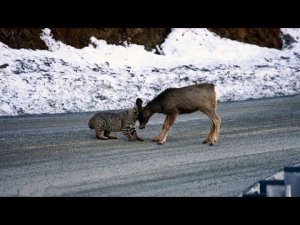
264	37
29	38
151	38
22	38
288	40
4	66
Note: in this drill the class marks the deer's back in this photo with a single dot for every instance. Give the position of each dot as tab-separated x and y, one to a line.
186	99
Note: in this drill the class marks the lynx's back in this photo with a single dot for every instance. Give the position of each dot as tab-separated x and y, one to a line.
124	121
108	121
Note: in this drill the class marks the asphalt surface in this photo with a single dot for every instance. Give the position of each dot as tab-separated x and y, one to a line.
58	155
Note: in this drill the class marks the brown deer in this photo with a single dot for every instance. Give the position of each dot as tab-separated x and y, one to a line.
175	101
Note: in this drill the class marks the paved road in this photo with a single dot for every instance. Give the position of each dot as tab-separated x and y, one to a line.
57	155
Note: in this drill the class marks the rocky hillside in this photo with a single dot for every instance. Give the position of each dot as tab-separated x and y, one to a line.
264	37
149	37
80	37
22	38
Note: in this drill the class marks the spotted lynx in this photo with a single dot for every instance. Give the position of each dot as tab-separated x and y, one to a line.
105	123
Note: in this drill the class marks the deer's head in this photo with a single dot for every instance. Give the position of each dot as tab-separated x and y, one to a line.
144	114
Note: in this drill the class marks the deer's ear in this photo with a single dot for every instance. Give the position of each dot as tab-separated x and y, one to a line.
139	103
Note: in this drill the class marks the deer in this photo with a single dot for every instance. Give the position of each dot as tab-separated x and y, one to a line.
174	101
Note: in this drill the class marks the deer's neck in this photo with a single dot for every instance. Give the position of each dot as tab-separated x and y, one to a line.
154	107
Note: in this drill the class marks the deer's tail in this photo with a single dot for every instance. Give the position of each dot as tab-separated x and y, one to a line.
218	94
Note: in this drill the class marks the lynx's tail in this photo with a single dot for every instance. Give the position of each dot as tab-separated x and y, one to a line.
91	124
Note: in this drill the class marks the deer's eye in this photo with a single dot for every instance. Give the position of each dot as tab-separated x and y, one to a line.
146	113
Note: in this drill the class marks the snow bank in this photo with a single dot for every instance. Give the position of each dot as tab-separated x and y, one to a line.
105	77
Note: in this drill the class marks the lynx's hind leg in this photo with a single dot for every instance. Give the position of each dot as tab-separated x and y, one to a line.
107	134
100	132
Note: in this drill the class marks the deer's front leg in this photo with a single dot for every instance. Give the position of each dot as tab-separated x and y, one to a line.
170	120
160	136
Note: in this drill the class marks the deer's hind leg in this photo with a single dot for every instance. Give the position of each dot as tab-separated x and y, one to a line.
209	137
209	109
215	129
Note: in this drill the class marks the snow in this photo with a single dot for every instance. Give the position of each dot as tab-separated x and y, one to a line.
105	77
